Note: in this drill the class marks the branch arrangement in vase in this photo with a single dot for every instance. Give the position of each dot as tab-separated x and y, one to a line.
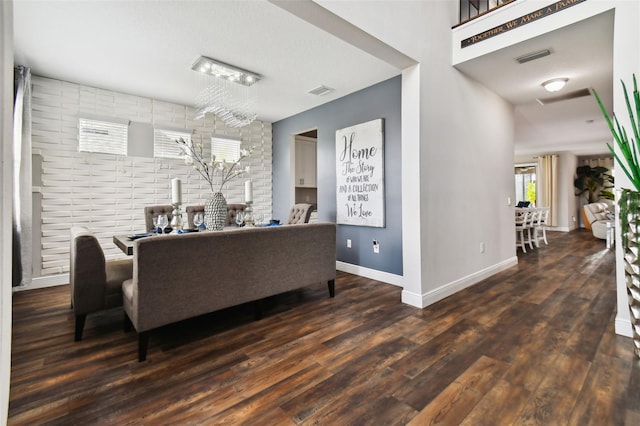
209	168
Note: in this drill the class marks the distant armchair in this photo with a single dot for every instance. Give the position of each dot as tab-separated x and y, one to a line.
300	213
597	215
96	284
151	211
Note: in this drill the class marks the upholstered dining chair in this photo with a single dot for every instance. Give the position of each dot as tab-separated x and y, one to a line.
191	212
96	284
540	226
232	211
300	213
151	211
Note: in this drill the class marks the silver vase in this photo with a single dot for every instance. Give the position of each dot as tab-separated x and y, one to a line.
215	212
630	226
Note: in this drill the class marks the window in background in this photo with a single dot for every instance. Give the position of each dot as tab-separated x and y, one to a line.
225	149
102	136
164	142
526	183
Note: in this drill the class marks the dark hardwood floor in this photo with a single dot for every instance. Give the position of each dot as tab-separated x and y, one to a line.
532	345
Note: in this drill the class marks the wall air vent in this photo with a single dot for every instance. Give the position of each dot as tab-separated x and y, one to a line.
320	90
533	56
565	97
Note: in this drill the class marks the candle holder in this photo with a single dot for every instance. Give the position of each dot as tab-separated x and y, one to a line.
248	214
176	220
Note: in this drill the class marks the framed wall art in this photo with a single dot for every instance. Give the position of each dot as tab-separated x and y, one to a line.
360	174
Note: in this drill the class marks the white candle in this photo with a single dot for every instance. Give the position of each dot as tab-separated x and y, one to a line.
176	191
248	191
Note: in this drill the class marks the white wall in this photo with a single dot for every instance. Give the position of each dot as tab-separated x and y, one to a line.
107	193
455	197
626	61
6	159
566	192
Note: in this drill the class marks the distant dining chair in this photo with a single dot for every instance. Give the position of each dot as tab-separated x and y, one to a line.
96	284
523	223
540	226
151	211
300	213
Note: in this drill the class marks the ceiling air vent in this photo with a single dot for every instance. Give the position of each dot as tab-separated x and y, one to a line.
320	90
533	56
571	95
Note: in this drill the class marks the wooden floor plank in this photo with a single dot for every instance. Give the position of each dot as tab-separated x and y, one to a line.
534	344
455	402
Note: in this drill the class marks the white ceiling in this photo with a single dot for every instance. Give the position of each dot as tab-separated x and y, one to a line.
581	52
147	48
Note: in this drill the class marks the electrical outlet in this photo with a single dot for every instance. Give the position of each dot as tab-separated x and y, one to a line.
376	246
348	243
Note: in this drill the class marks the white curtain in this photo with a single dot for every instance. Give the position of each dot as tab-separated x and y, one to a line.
598	162
548	186
22	227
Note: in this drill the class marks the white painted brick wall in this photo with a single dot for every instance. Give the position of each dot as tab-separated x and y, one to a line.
108	193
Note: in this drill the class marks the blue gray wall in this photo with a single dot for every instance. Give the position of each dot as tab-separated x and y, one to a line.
382	100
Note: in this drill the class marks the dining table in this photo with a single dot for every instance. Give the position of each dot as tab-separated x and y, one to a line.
126	242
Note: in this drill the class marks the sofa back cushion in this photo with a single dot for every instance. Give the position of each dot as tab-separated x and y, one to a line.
181	276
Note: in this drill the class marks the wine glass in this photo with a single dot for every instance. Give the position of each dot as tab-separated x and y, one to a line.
198	220
163	221
239	218
259	219
155	225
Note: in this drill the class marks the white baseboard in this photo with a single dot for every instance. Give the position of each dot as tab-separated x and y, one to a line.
623	326
426	299
43	282
559	229
373	274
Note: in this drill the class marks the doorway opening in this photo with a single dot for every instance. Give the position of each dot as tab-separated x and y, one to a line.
525	177
305	169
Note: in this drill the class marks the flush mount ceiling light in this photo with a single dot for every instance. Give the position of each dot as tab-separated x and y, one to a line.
228	92
555	84
225	71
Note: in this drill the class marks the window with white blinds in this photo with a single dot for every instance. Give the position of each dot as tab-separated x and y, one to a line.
164	143
225	149
102	136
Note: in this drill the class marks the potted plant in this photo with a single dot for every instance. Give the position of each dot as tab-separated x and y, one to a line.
593	181
629	203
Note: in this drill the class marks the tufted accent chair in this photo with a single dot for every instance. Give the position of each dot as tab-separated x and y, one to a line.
151	211
96	284
300	213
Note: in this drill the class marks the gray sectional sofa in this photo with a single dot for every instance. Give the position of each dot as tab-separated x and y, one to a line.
176	277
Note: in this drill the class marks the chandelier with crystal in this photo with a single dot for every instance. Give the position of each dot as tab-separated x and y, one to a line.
229	92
